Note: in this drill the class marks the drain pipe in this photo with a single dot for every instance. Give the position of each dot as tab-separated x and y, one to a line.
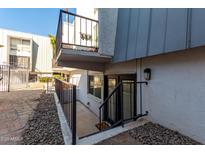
141	82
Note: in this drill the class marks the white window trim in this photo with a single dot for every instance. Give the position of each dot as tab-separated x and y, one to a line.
91	96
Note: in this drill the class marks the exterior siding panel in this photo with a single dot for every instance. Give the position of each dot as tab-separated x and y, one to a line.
132	33
176	30
146	32
157	31
197	27
143	33
122	35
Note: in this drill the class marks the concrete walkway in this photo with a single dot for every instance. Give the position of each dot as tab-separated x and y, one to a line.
86	121
15	110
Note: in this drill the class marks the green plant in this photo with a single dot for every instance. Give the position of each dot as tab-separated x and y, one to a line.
57	76
53	43
45	79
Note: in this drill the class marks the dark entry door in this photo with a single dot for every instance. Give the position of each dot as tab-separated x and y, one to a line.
113	103
122	104
128	96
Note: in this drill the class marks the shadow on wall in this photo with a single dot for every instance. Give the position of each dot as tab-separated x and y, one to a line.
34	55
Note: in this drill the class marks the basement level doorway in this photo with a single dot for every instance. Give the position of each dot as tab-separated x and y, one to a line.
122	105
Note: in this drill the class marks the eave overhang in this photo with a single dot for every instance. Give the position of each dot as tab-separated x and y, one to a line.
82	59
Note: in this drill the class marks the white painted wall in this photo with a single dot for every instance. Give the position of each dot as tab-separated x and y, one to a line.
41	53
175	95
44	52
80	78
88	12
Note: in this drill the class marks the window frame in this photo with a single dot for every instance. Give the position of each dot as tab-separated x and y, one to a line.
22	47
93	93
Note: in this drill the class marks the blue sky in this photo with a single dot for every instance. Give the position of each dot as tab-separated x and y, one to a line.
37	21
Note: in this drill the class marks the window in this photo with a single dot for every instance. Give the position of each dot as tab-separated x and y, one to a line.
26	45
18	44
15	44
18	61
75	79
95	85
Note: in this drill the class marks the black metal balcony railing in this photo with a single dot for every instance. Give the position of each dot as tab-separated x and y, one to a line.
76	32
66	93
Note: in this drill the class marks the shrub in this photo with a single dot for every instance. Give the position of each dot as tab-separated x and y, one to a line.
45	79
57	76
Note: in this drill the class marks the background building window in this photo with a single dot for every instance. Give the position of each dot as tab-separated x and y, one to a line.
95	85
26	45
18	44
19	61
15	44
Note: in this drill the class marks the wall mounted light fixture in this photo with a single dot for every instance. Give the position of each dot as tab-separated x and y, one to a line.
147	74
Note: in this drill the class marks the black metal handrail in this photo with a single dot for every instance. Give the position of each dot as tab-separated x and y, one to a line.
66	93
115	90
106	102
82	32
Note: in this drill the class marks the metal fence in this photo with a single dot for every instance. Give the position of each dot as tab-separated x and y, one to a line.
66	93
18	78
4	78
12	78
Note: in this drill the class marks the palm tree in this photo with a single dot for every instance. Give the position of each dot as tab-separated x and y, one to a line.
53	43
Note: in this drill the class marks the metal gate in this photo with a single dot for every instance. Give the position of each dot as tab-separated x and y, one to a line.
4	77
13	78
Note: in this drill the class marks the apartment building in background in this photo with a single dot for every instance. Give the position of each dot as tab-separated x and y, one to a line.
28	51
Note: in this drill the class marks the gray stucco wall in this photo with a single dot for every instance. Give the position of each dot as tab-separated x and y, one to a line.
174	96
146	32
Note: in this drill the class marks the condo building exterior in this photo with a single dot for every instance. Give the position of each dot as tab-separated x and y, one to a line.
25	50
139	62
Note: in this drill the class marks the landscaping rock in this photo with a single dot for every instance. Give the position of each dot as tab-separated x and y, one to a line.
43	126
150	134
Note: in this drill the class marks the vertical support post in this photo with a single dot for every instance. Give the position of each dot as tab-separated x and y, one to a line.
122	109
100	119
47	86
86	38
91	33
74	30
74	116
80	30
140	98
68	28
96	34
61	27
9	69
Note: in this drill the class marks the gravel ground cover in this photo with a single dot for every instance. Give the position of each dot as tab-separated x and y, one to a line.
44	126
15	109
150	134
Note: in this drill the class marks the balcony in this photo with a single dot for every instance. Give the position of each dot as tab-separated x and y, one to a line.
77	42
